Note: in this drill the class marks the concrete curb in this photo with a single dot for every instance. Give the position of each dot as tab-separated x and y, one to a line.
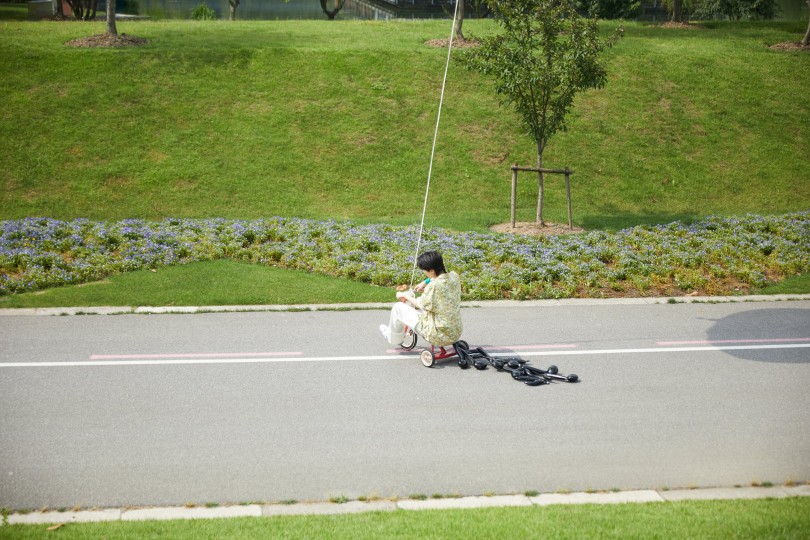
708	494
83	516
159	514
464	502
325	508
618	497
460	503
490	304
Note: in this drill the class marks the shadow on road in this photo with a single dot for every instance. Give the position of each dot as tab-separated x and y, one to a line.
765	327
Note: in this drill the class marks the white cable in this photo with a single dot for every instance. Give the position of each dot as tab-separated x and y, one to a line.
433	149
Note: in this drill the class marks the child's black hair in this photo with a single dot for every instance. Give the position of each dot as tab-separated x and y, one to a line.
431	260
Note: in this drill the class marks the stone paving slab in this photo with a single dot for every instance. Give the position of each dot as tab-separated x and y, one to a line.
82	516
142	514
351	507
464	502
640	496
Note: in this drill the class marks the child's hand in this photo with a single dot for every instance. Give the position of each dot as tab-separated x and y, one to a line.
420	287
402	295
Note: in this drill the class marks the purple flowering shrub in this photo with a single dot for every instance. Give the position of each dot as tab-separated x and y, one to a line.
714	255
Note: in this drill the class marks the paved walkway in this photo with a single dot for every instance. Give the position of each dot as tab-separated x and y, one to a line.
353	507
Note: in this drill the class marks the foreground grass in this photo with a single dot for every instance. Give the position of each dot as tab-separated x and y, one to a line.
210	283
320	120
767	519
218	283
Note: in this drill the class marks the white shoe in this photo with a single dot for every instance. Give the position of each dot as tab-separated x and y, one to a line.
385	332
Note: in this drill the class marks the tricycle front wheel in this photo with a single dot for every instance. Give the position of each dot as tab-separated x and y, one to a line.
427	358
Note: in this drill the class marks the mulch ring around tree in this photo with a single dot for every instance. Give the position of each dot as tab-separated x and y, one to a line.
681	25
107	40
790	46
457	43
533	228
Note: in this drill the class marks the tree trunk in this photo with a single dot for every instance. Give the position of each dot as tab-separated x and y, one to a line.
57	9
331	14
111	29
540	188
459	19
806	40
75	7
232	5
677	11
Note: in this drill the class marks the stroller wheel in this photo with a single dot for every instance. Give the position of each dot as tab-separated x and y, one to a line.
409	341
427	358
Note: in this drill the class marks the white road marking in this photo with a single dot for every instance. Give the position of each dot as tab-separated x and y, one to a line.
273	360
712	341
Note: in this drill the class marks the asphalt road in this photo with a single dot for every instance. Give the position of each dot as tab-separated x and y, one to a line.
236	407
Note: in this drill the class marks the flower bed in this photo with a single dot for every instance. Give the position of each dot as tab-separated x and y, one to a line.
712	256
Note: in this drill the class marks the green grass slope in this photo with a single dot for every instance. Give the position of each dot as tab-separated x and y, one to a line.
323	120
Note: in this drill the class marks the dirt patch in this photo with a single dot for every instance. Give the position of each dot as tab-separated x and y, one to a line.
681	25
107	40
457	43
790	46
532	228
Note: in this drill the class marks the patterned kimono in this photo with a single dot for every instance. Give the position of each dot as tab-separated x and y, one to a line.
440	320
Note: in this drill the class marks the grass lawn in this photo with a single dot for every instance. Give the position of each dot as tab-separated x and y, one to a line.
211	283
793	285
767	519
325	120
13	12
315	119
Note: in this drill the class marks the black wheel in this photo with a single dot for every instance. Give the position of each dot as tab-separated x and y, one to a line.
463	344
427	358
553	370
409	341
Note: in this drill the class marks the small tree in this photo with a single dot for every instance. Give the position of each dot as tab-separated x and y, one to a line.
609	9
232	5
806	39
83	10
58	12
459	20
332	13
203	13
737	10
677	10
111	28
545	55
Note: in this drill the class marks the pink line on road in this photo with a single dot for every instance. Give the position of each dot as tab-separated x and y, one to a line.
189	355
708	342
